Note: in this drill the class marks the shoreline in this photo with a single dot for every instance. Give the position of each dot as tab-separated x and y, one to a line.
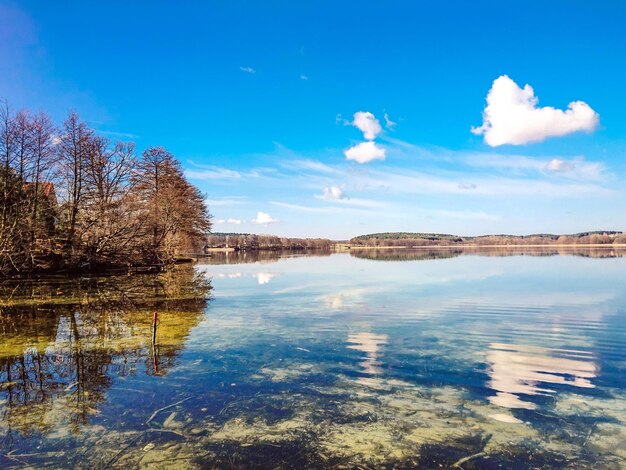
348	247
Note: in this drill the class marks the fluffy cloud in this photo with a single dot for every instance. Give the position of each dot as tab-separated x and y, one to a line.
365	152
263	218
333	193
558	165
367	123
512	116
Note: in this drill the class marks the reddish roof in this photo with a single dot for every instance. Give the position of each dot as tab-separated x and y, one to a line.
46	188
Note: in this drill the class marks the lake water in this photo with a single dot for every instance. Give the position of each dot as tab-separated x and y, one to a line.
373	359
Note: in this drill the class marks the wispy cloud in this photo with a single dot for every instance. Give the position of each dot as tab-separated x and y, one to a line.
412	182
227	201
573	168
304	77
247	70
333	193
312	165
389	124
213	173
344	206
119	135
301	208
559	165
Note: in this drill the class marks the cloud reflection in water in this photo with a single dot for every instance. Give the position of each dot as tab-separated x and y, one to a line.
516	370
371	344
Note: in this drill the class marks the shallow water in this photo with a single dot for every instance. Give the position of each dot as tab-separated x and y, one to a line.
374	359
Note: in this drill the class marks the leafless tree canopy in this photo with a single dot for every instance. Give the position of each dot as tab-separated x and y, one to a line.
252	242
71	199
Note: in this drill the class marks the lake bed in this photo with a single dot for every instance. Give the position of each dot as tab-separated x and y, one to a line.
369	359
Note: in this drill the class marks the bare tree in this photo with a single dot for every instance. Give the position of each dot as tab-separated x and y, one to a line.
176	213
42	165
75	143
115	209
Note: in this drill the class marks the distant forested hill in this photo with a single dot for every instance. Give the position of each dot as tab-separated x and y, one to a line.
439	239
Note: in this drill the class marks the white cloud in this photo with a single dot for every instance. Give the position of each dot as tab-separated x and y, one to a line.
413	182
312	165
367	123
512	116
212	173
263	218
575	168
119	135
558	165
344	209
365	152
389	124
304	77
333	193
247	69
228	221
227	201
339	119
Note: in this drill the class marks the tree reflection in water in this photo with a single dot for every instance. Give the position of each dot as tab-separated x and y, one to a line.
64	341
427	253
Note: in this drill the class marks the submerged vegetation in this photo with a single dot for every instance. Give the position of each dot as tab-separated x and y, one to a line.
72	200
332	368
64	341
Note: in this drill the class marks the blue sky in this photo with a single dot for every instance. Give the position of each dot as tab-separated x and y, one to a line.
258	100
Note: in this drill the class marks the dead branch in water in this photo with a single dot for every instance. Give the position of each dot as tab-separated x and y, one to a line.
460	462
166	408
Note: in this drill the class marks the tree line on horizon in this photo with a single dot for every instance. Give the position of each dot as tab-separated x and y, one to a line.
71	199
405	239
250	241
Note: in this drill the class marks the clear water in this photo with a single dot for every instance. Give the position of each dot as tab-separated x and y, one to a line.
374	359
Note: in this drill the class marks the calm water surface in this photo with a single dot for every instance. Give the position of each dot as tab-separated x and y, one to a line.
374	359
